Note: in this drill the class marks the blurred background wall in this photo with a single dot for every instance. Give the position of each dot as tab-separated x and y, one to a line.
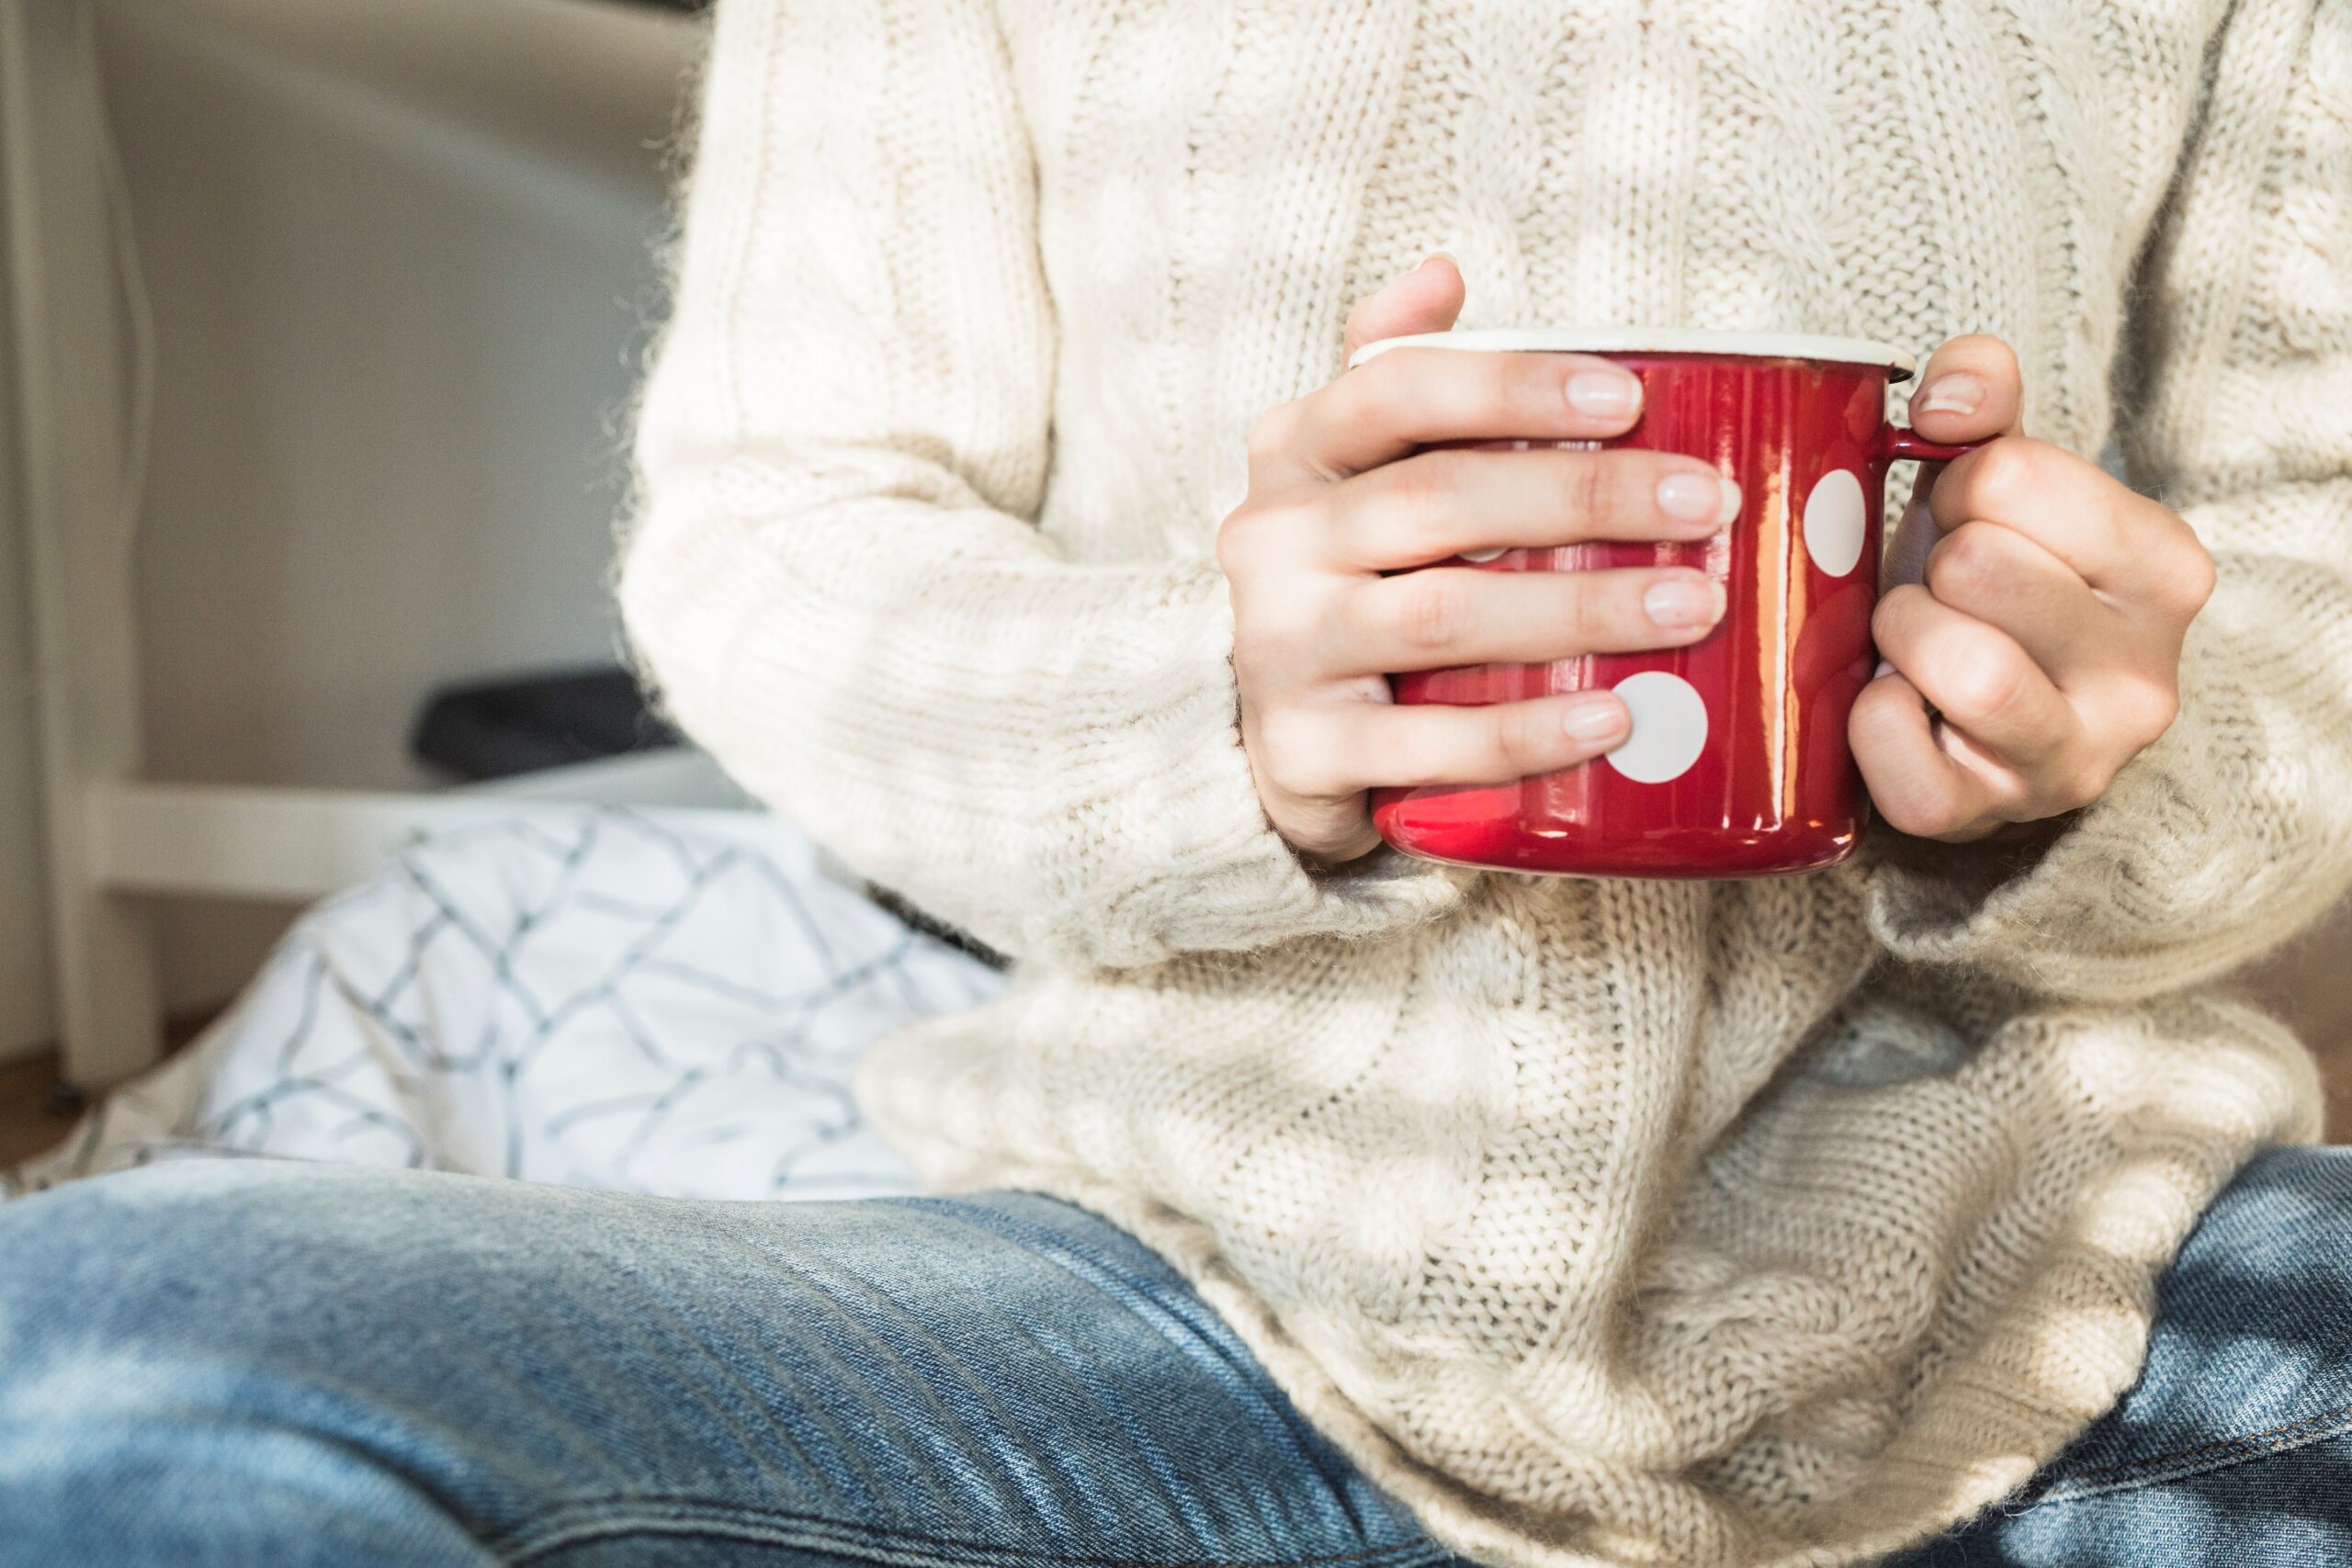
24	940
400	255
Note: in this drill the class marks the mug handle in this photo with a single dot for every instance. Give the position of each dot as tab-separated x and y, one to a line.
1898	442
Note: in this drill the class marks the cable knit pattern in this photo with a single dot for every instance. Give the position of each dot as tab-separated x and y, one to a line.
1603	1221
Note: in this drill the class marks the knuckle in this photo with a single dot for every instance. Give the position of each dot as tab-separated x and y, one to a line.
1270	632
1914	802
2076	786
2197	575
1873	713
1966	564
1897	609
1378	394
2001	477
1291	754
1420	494
1257	646
1988	682
2084	789
1588	612
1273	432
1523	745
2113	536
2149	709
1427	611
1519	389
1236	541
1266	538
1587	489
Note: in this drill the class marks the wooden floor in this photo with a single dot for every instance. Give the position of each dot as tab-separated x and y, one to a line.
34	1117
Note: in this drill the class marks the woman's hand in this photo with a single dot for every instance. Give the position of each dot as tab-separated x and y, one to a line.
1341	494
2043	652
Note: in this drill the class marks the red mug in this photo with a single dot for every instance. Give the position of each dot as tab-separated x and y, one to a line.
1737	764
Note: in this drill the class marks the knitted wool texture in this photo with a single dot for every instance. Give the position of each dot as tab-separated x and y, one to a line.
1603	1221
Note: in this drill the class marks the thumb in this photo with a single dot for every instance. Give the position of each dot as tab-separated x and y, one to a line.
1426	300
1970	389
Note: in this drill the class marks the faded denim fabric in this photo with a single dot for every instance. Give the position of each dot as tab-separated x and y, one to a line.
238	1362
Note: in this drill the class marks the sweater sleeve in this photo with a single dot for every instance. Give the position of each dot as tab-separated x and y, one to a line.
835	580
2235	829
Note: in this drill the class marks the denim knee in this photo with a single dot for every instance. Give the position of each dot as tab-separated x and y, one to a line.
125	1275
176	1361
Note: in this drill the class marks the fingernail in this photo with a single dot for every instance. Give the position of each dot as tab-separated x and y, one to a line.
1603	394
1956	392
1884	669
1680	603
1595	719
1692	498
1438	256
1727	510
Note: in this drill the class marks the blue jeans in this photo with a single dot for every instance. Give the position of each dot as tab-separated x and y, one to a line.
260	1362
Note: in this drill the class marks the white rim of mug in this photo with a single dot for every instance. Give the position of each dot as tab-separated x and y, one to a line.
1898	365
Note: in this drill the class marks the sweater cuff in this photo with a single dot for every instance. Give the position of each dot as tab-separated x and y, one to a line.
1184	849
2105	911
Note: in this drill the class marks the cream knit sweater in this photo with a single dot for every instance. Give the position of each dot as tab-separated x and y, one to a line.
1604	1222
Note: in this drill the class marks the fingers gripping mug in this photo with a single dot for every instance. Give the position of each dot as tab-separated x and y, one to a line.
1737	764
